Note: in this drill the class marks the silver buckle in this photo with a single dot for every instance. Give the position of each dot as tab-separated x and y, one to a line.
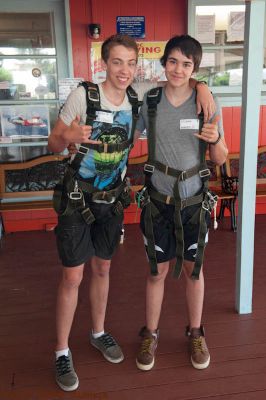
91	98
204	172
149	168
155	94
182	176
209	203
76	194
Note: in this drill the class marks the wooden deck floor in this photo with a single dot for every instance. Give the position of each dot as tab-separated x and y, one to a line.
29	274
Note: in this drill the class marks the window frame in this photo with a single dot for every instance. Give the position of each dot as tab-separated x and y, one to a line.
192	4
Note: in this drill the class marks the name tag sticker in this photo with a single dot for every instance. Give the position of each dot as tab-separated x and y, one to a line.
104	116
189	124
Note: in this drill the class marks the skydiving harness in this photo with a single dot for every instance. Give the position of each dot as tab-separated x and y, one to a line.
148	193
69	195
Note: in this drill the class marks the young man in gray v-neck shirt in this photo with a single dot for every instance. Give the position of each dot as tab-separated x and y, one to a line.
177	146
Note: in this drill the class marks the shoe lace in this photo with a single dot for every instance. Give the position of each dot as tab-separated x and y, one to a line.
63	365
197	344
146	345
107	340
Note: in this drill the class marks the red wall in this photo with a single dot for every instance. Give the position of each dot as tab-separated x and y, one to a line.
162	20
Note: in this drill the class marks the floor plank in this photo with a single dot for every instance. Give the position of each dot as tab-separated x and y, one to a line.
29	275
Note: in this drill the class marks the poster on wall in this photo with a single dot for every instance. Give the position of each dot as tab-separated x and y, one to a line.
66	85
132	26
149	67
236	24
205	28
24	122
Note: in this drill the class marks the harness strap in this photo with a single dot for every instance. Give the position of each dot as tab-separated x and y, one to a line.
190	201
104	147
201	169
93	105
201	244
150	214
153	98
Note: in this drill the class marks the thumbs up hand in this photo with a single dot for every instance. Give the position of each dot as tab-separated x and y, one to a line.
209	131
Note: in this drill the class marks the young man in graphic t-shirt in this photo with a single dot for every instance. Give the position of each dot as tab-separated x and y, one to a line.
77	240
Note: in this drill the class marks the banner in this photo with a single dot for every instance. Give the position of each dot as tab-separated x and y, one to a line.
149	67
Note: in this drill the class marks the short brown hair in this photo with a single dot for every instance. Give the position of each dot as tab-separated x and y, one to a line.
189	46
118	40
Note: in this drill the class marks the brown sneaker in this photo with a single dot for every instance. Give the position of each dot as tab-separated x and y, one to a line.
145	356
199	353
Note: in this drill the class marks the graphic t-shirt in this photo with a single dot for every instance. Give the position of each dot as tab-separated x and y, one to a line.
112	125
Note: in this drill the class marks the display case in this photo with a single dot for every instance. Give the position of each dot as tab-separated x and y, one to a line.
28	84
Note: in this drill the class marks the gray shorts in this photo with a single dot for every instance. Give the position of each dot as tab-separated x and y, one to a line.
77	241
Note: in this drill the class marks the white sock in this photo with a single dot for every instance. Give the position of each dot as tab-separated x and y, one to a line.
60	353
97	335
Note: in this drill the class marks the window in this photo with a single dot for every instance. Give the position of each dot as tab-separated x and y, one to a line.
220	30
28	67
31	63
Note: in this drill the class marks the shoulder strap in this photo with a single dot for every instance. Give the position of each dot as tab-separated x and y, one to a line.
203	145
153	99
92	99
135	104
93	105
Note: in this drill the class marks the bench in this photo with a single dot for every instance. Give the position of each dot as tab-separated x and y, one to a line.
26	188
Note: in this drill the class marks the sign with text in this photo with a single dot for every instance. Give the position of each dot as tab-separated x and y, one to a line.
132	26
149	67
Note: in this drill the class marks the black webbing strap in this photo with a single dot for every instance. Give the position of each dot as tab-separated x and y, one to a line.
201	169
151	212
135	104
153	98
203	145
93	105
179	234
201	244
202	219
190	201
104	147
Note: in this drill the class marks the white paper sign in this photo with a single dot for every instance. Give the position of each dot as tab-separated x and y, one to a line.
236	24
205	28
66	85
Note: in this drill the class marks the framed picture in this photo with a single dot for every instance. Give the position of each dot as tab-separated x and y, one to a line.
25	122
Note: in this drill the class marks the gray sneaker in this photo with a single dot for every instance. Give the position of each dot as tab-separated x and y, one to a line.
66	376
108	347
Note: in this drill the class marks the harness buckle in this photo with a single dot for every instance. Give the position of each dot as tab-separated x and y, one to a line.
183	175
149	168
204	173
83	150
209	201
93	95
142	197
76	194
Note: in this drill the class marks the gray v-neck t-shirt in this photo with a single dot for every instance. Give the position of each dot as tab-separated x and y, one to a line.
176	144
